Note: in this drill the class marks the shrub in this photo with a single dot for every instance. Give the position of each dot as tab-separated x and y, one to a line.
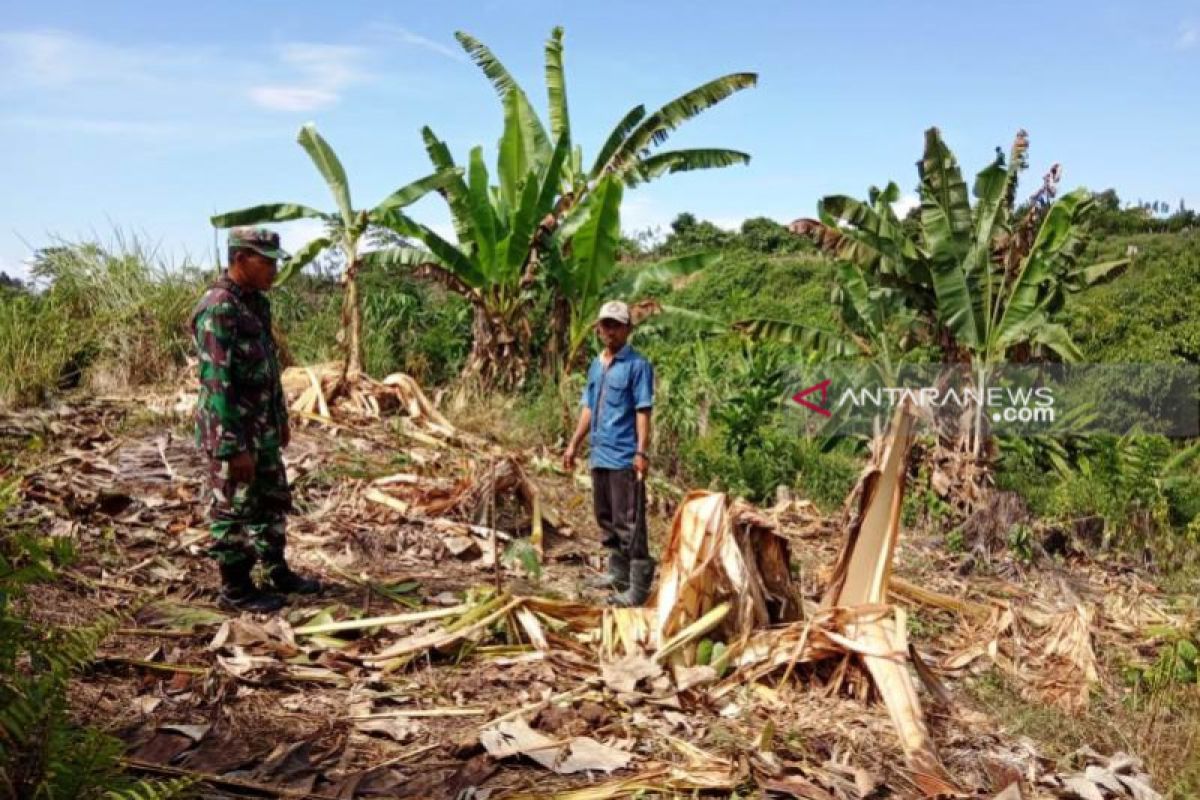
134	305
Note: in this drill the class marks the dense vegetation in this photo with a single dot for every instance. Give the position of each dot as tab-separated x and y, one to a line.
720	419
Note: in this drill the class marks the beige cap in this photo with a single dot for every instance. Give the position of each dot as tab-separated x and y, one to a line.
614	310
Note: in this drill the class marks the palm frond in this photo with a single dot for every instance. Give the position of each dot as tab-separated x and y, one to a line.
615	138
683	161
656	128
556	87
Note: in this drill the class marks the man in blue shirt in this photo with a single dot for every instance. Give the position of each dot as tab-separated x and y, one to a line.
616	403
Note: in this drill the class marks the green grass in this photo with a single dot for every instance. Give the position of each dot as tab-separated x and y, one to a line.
38	342
113	316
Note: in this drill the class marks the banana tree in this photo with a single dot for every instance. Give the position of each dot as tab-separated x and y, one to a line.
627	151
502	236
986	284
993	282
345	229
990	282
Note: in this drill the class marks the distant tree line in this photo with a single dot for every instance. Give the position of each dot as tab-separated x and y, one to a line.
689	234
1142	216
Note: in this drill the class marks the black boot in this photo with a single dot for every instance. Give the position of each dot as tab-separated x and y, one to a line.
239	593
641	578
617	577
284	580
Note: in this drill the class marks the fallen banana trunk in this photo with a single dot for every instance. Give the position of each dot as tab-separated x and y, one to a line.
492	483
317	390
530	616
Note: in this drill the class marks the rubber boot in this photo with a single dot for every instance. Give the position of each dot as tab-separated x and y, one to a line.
238	591
282	579
617	577
641	578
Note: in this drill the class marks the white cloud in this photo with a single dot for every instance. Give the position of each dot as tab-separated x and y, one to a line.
108	87
1189	35
50	58
324	71
14	268
396	33
292	98
905	204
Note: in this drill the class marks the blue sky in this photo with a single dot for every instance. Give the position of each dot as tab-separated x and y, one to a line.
152	116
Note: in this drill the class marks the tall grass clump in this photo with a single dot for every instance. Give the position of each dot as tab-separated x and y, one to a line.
128	308
37	347
106	316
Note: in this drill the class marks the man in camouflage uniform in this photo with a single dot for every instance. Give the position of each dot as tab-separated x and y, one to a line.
242	424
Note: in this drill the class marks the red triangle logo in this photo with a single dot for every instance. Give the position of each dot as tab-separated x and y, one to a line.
823	388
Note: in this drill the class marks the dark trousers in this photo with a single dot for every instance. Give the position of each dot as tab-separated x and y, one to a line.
620	502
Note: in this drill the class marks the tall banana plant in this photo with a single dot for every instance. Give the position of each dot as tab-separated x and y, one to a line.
506	246
626	158
345	229
991	282
628	150
995	294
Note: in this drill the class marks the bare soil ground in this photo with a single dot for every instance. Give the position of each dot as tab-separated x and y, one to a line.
263	710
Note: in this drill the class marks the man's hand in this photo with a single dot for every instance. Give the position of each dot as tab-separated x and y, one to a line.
641	465
569	458
241	467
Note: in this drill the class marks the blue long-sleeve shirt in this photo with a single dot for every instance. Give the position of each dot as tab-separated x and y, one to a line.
615	394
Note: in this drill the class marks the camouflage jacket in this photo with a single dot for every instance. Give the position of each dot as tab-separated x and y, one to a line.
241	404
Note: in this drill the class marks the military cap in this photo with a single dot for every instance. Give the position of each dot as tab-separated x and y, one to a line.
261	240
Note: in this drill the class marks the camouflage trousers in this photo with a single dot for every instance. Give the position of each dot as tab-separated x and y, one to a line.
247	521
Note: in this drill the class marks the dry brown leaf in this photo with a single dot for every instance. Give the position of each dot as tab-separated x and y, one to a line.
1138	787
274	636
1081	787
463	547
145	705
1103	777
624	674
578	754
193	732
796	786
398	728
691	677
